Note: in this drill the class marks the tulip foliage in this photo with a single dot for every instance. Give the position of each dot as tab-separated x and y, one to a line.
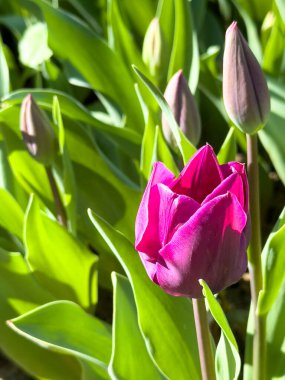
124	190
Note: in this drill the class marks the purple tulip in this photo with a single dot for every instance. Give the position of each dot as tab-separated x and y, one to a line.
194	226
245	90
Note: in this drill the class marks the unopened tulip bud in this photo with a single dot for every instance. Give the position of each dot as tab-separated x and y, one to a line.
183	106
245	90
37	132
153	52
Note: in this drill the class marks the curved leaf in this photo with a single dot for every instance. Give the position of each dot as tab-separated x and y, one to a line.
163	319
59	262
228	363
55	327
126	336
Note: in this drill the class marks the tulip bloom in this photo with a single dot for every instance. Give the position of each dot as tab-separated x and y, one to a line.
245	90
194	226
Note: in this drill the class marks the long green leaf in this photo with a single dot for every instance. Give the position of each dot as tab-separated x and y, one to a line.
126	336
271	136
69	186
19	293
122	39
181	55
228	363
59	262
162	318
11	214
4	72
228	149
273	257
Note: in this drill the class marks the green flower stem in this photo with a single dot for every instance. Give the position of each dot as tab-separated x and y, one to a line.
60	210
255	267
204	339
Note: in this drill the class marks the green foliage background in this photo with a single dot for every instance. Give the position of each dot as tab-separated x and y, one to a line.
82	62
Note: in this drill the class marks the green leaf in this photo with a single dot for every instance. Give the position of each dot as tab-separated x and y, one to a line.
255	9
98	185
88	12
69	185
27	171
59	262
166	15
11	215
228	361
127	336
140	13
121	37
71	108
193	78
273	256
281	7
154	148
149	148
275	365
33	46
4	73
93	58
52	326
6	177
275	340
164	154
162	318
228	150
271	136
185	147
19	293
274	48
274	322
181	55
248	13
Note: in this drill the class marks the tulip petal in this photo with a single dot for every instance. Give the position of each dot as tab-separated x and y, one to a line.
233	184
167	212
200	176
237	167
160	174
211	246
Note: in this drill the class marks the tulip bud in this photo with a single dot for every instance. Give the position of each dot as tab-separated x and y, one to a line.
153	52
183	106
245	90
37	132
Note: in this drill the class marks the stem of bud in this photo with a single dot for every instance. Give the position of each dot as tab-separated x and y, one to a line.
255	267
60	210
204	339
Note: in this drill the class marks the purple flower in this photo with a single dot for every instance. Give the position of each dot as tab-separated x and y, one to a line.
194	226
